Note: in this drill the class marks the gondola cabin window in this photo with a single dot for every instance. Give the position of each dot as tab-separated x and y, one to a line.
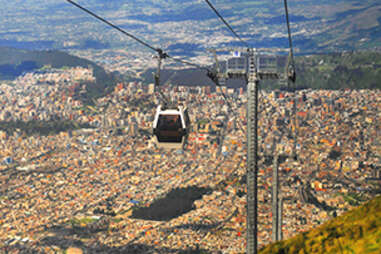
169	128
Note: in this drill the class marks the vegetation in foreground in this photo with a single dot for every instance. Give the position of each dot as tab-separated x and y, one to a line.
357	231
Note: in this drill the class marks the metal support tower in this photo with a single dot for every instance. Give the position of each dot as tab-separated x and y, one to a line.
252	156
295	130
275	204
104	119
252	75
280	218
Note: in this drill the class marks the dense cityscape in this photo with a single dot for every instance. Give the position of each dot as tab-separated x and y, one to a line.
84	110
82	188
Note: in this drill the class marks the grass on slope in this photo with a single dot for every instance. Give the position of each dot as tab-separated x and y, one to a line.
357	231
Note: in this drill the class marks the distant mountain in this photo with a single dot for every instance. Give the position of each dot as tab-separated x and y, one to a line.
357	231
317	26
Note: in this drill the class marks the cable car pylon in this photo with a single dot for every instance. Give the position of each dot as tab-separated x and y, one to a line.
250	72
252	156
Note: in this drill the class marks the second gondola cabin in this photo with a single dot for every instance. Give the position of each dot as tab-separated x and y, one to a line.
171	127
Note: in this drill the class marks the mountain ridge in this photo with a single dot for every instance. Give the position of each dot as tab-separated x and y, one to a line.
316	25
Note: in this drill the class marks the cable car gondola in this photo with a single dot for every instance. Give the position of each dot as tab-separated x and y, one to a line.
171	127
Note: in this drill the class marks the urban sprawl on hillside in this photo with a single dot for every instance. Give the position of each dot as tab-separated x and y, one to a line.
80	188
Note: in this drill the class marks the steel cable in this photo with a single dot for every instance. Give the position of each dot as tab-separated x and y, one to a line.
290	72
162	54
226	23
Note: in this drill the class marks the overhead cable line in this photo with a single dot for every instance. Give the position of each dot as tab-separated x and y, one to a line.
288	29
161	53
291	76
114	26
226	23
291	68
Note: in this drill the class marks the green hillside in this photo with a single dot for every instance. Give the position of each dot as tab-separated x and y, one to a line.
357	231
340	70
13	62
